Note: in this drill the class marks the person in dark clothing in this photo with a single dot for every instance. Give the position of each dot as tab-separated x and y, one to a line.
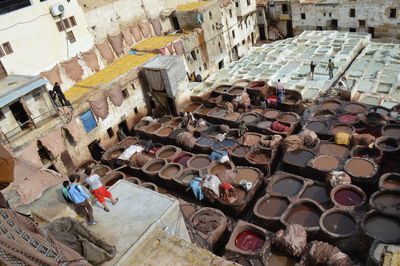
148	146
53	96
312	69
61	97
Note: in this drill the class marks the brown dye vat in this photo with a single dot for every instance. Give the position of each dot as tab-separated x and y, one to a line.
222	88
204	110
338	223
279	259
236	90
240	150
324	114
248	174
325	163
167	151
342	128
287	117
317	126
198	162
348	196
127	142
271	113
192	107
390	181
288	186
170	170
232	116
330	105
115	154
298	158
249	118
150	186
183	158
217	112
164	119
257	110
186	176
111	178
271	206
215	170
155	167
382	228
165	131
354	108
86	164
101	170
318	193
252	139
386	202
336	150
387	144
306	214
242	83
133	180
176	122
260	157
391	131
360	167
264	124
153	127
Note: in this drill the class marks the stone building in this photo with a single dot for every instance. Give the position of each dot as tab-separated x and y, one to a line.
379	18
280	19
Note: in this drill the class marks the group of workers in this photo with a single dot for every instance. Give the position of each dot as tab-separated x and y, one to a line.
57	93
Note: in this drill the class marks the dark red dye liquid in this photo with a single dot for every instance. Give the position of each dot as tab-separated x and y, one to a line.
347	197
249	241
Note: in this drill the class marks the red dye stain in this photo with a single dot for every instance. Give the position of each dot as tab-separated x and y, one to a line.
249	241
348	119
255	86
347	197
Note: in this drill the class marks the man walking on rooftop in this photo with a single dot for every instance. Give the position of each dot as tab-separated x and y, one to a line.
330	67
312	68
61	97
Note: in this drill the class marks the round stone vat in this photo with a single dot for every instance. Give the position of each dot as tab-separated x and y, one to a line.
150	186
390	181
216	168
264	124
374	153
318	127
133	180
380	110
349	119
391	130
240	150
232	116
338	224
85	164
251	138
286	186
324	114
192	107
242	83
199	161
127	142
257	84
236	90
257	110
182	158
362	170
317	192
388	144
101	170
165	119
152	167
112	177
325	163
333	149
342	128
165	131
168	152
170	171
203	110
297	159
112	154
225	144
386	202
152	127
249	118
348	197
381	227
221	89
185	177
141	125
176	122
260	156
271	113
330	105
304	212
209	225
268	211
288	117
355	108
204	143
250	174
217	112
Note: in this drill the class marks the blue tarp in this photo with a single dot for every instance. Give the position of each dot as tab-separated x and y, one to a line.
88	120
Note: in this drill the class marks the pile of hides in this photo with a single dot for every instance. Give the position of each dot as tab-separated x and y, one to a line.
321	253
227	176
310	138
337	178
246	99
224	128
362	139
292	143
272	143
279	127
186	140
292	240
139	159
229	107
127	154
74	235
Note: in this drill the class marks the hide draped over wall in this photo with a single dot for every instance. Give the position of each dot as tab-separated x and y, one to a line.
90	58
117	43
53	75
100	107
145	28
105	51
137	34
156	26
73	69
127	37
54	142
115	95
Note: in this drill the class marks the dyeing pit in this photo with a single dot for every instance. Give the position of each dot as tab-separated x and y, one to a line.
382	228
232	116
287	117
242	83
324	114
127	142
199	162
240	150
380	110
248	174
251	139
249	118
386	202
354	108
271	206
208	220
153	127
192	107
216	169
257	110
154	165
271	113
288	186
186	177
150	186
256	85
392	131
176	122
165	131
170	170
113	154
360	167
260	157
390	181
165	119
365	152
236	91
348	196
305	214
387	144
264	124
330	105
218	112
342	128
111	178
226	143
204	110
298	157
280	259
222	88
205	141
325	163
348	119
339	223
183	158
317	126
166	152
318	193
101	170
336	150
249	241
86	164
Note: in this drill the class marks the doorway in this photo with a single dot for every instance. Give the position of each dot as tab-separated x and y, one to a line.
261	28
45	155
96	150
289	28
171	106
124	126
221	64
20	114
334	24
175	23
371	31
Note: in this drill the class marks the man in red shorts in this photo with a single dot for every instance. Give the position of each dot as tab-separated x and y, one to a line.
98	189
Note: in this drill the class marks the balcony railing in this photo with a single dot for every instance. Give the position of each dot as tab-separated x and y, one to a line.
7	6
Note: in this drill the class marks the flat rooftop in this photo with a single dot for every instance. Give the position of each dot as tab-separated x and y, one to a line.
192	6
154	43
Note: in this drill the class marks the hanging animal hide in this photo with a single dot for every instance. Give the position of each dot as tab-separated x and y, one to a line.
115	95
117	43
100	107
90	58
156	26
178	47
127	37
145	28
105	51
137	34
73	69
53	75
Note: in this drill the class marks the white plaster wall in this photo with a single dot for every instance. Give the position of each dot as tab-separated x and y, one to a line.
8	125
38	44
243	8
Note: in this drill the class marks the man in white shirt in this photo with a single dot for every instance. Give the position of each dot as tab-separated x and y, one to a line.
98	189
280	91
